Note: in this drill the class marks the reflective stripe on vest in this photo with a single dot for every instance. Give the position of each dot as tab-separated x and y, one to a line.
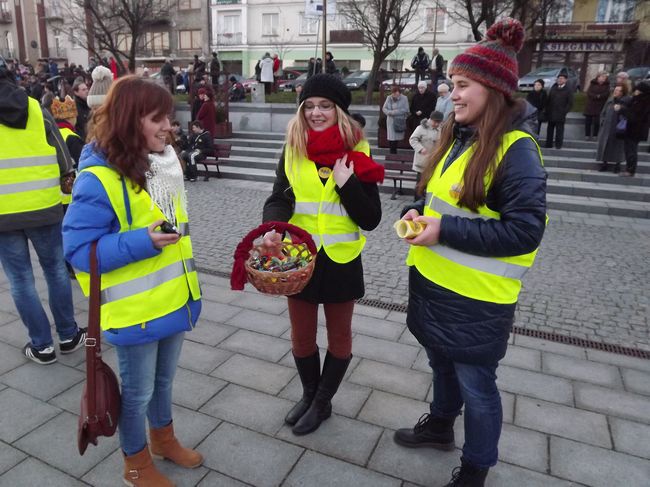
146	283
493	279
319	211
29	171
149	288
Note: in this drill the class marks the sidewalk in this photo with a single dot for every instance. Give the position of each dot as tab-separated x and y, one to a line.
572	416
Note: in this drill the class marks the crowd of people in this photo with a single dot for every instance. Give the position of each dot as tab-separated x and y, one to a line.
617	116
481	200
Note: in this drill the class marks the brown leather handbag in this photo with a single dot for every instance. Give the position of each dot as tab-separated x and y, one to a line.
100	400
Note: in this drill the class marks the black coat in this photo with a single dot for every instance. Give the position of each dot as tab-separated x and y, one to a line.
597	95
559	103
538	100
466	329
330	282
637	112
83	112
426	103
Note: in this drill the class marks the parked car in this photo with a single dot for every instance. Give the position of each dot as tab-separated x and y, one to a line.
357	80
290	85
405	81
549	74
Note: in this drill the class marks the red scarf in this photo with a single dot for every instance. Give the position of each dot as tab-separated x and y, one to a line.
326	147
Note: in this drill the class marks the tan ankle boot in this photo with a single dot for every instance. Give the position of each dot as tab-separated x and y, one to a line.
165	445
139	471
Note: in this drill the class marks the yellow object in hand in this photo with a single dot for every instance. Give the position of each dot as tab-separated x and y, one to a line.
408	228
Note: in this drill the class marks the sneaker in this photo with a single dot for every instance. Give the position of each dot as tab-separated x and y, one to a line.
74	343
42	357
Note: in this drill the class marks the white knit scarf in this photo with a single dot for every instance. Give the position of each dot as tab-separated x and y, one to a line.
165	183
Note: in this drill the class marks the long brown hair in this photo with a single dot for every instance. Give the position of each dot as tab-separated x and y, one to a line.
116	126
497	116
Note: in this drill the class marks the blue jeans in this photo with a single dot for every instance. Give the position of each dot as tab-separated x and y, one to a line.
457	383
147	372
16	262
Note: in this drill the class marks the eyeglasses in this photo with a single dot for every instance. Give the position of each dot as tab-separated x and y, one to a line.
324	106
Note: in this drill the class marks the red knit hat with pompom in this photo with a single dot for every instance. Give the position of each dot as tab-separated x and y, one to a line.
493	61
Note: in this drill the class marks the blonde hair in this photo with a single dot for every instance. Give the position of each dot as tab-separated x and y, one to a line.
297	134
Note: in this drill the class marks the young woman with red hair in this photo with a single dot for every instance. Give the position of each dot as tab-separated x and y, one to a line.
130	183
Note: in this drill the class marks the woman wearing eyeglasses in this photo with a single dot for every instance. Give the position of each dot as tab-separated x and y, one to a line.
326	183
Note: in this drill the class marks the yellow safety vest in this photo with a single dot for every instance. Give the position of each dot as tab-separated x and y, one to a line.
66	199
319	211
149	288
30	178
493	279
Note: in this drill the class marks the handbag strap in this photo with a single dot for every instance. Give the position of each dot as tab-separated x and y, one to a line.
93	340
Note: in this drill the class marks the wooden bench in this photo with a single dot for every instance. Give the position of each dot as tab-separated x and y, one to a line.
399	167
221	151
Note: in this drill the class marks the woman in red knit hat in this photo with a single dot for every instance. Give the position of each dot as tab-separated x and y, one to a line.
485	214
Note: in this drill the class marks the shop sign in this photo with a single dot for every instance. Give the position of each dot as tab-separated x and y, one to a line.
588	46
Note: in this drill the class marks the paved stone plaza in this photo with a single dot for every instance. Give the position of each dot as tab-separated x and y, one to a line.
572	416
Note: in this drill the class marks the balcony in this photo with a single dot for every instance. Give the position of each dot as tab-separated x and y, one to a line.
153	53
346	36
58	52
6	17
589	30
229	39
226	2
53	13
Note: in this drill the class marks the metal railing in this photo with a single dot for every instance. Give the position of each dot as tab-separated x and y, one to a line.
229	39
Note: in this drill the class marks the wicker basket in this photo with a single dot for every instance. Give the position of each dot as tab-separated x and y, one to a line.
279	282
285	283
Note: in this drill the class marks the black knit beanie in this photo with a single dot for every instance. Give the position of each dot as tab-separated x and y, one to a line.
327	86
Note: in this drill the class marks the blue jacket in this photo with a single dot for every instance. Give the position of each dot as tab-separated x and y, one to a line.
469	330
91	217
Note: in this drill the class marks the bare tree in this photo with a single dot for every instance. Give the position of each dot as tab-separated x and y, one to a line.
117	26
382	23
479	14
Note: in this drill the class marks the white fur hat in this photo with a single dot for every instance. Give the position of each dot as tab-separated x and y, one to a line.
102	79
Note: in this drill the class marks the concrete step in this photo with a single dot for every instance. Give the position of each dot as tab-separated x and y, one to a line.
589	153
591	176
599	190
643	167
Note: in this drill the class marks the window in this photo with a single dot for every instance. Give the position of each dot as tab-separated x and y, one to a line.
156	42
4	6
270	24
189	4
615	10
561	13
439	16
229	24
123	41
308	25
74	39
345	23
190	39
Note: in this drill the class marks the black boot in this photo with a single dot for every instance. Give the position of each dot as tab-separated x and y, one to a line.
309	372
321	407
467	476
617	168
429	432
603	167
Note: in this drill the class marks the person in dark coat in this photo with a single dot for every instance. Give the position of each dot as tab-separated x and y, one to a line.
215	69
537	98
597	95
423	104
462	290
610	145
200	147
80	92
199	67
637	113
169	76
311	67
558	105
334	162
420	63
330	65
437	63
207	113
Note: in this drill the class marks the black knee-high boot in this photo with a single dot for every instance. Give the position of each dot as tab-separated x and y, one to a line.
309	372
321	407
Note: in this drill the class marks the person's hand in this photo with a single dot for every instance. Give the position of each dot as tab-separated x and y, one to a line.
272	242
617	107
412	214
429	235
161	239
343	170
418	113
